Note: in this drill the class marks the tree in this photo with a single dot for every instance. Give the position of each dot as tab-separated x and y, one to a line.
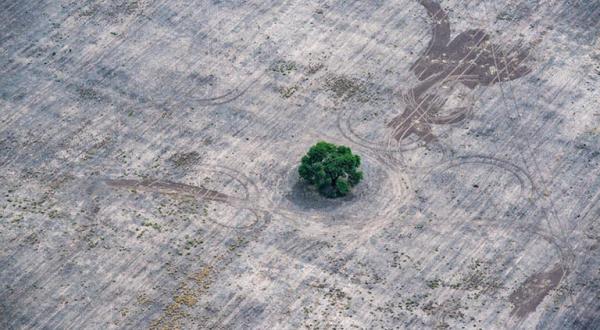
332	169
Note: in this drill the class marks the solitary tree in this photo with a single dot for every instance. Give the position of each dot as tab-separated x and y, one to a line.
332	169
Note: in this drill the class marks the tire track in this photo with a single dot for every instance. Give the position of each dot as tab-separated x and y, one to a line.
247	202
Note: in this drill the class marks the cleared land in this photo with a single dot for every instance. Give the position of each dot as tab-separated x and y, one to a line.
149	154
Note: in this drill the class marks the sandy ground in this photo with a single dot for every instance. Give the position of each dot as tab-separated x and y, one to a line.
149	153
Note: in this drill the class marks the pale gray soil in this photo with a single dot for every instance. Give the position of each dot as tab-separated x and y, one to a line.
149	153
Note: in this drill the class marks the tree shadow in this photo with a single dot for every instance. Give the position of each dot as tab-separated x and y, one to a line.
307	197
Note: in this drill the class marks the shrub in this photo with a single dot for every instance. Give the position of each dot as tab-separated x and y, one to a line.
332	169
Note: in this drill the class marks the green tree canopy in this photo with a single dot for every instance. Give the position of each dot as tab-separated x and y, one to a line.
332	169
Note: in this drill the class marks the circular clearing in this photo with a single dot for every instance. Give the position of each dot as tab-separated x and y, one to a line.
380	193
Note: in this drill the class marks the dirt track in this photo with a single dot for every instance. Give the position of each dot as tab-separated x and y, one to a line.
149	153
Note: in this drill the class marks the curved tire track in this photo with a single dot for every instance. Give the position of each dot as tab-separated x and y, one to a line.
246	202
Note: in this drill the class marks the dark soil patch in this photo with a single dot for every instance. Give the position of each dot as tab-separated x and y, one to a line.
344	88
470	59
184	159
533	291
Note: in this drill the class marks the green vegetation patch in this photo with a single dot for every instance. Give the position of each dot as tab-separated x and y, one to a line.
332	169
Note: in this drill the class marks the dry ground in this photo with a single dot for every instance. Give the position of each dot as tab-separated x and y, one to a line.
149	149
